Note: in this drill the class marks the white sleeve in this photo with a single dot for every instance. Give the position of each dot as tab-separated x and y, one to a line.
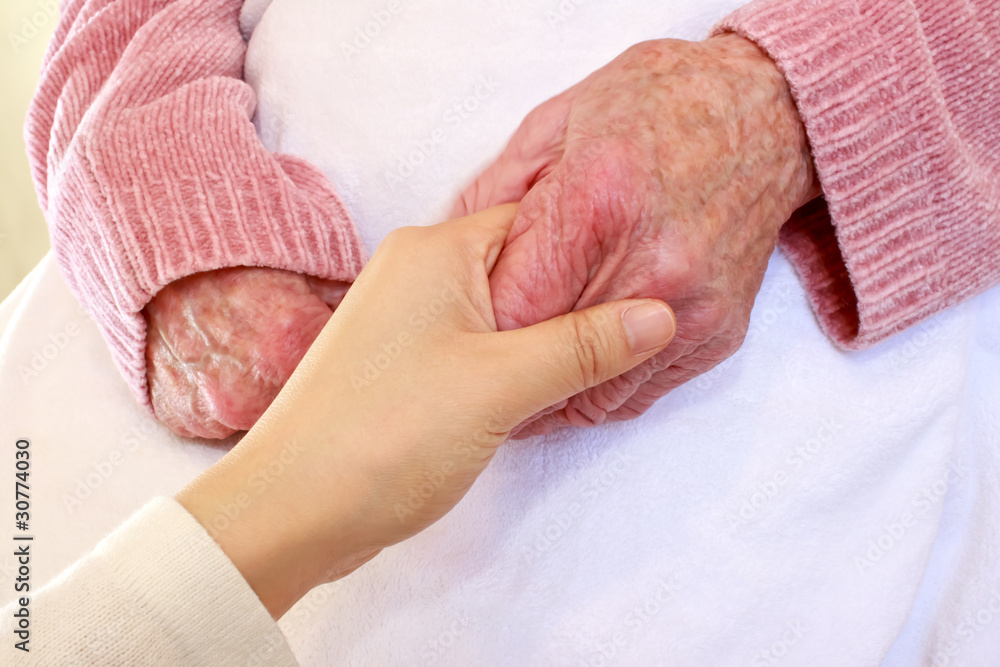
157	591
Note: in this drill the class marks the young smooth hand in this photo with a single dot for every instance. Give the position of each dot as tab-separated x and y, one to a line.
399	405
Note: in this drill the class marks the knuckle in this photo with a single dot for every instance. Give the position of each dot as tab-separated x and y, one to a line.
591	346
716	319
712	318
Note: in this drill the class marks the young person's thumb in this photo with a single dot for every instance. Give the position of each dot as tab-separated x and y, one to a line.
561	357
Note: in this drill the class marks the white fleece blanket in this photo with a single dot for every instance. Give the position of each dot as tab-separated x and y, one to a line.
795	506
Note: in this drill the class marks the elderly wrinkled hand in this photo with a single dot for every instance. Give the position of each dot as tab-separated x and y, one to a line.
667	173
220	345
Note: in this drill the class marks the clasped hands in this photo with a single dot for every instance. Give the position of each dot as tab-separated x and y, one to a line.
666	174
663	177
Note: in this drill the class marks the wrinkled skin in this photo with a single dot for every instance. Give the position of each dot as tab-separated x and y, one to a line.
221	344
666	174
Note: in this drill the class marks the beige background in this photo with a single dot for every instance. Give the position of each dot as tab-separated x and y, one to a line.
26	26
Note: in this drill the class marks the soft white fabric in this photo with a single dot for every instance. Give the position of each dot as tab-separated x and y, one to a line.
157	591
623	541
564	539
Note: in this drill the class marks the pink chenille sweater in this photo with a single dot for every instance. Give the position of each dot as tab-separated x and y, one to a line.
148	168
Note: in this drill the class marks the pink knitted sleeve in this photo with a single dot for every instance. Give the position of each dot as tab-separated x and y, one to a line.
901	103
148	168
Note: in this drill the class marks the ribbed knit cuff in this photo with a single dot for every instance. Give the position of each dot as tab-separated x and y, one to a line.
906	227
153	202
149	168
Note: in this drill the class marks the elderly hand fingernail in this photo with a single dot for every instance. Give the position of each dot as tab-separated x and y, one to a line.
648	326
